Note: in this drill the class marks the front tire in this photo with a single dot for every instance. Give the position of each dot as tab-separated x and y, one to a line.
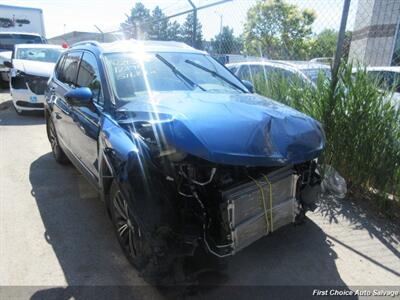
146	250
56	149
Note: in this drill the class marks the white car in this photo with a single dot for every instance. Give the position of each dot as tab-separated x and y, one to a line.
306	71
7	42
388	79
30	69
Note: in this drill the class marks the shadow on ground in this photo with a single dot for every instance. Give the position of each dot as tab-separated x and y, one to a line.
78	229
8	116
361	215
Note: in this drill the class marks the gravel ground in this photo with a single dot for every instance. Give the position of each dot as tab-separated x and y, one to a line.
55	237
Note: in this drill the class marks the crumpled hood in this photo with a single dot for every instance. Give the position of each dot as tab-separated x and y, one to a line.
235	129
32	67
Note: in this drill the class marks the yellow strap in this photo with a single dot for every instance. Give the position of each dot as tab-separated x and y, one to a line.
270	201
263	201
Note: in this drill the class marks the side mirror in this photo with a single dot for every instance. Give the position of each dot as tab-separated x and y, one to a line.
79	97
248	85
8	64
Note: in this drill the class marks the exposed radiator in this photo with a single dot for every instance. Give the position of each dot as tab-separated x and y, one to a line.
245	211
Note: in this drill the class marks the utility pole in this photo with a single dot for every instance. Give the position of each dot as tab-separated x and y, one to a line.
339	46
194	31
220	34
102	33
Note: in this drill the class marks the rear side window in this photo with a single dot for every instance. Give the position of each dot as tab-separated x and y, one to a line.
59	66
70	68
89	76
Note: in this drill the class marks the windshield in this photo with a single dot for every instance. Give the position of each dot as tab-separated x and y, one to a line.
7	41
132	75
50	55
386	80
313	74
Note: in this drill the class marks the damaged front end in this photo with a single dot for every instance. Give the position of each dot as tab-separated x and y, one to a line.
28	83
235	206
227	207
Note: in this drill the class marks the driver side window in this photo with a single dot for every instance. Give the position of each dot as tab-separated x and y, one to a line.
89	76
70	68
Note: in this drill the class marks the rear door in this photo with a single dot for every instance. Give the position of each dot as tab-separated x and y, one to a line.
85	129
65	80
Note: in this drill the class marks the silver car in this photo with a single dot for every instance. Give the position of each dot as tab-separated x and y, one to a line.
305	71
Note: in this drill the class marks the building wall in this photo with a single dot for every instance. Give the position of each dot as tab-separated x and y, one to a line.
374	32
79	36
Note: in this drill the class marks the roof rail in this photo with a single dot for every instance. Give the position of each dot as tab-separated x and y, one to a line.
93	43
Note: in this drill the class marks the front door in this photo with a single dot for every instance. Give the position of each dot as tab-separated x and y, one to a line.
65	79
85	129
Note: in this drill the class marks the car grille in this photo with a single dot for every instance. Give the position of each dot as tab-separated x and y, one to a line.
29	104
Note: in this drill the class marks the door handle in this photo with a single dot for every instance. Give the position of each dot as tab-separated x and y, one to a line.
58	116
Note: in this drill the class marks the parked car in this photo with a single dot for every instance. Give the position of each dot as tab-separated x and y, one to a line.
388	79
30	69
322	60
303	71
183	155
7	42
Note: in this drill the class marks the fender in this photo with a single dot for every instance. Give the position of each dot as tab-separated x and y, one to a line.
120	153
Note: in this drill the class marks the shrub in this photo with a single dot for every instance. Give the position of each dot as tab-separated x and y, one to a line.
361	123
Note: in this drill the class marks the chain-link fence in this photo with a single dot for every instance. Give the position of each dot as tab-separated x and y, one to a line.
238	30
243	30
303	30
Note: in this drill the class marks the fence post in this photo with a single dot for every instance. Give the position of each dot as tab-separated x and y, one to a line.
194	31
341	36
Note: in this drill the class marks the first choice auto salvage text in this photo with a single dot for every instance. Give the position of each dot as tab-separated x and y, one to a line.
357	292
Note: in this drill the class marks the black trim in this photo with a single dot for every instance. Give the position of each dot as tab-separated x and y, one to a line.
29	104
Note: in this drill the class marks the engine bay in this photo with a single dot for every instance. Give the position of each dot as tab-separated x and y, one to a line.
228	207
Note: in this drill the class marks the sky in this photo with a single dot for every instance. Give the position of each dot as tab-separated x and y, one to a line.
62	16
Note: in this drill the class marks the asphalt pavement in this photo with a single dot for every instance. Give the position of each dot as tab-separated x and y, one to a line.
55	237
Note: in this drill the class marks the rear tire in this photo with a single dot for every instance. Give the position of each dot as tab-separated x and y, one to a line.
146	249
57	151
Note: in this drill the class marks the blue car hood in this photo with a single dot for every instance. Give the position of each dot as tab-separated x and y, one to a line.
234	129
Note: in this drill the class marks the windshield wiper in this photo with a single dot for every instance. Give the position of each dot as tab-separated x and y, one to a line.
178	73
188	61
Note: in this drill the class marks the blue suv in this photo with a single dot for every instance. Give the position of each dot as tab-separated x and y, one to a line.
182	152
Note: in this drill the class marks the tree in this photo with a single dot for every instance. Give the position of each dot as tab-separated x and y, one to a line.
226	43
158	29
324	44
136	25
174	30
278	30
140	24
187	32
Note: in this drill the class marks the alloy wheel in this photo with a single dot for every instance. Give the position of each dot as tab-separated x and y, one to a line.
127	229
